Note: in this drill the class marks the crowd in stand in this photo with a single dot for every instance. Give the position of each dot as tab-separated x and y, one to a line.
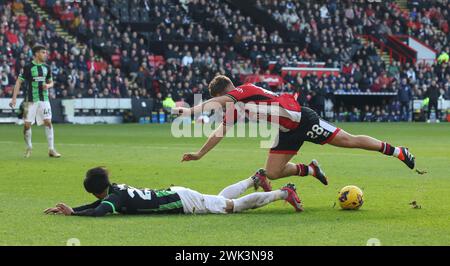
426	20
326	29
329	29
76	72
230	24
322	25
388	112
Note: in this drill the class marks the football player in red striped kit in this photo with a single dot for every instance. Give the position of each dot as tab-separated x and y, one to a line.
296	124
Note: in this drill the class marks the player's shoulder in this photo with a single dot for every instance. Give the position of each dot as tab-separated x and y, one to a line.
118	187
247	89
248	86
117	191
28	65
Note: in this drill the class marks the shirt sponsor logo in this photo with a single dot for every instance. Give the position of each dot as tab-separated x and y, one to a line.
38	79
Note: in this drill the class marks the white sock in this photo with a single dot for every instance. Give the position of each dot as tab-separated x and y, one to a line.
27	138
49	134
235	190
396	152
302	170
257	200
311	170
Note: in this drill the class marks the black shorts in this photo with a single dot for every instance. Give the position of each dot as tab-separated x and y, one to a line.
312	128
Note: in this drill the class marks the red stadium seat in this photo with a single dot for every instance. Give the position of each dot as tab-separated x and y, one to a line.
156	86
100	65
12	38
22	18
23	22
67	16
115	58
156	60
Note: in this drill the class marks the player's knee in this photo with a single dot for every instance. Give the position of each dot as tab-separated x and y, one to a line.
48	124
26	126
273	174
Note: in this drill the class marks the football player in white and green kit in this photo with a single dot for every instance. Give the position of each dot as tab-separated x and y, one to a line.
124	199
37	78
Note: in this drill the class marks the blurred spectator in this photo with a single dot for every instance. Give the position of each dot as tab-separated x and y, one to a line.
405	97
433	95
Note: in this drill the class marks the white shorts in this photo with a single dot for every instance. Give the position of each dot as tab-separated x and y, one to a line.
37	111
195	202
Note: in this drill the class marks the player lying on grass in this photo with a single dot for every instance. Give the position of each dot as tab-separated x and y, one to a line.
123	199
297	124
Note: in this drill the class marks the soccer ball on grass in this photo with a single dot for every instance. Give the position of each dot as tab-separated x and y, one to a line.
351	198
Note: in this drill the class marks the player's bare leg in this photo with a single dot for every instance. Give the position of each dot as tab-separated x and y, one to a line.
27	138
50	139
278	166
346	140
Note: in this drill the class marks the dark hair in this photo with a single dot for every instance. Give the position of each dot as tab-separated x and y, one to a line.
97	180
38	47
218	85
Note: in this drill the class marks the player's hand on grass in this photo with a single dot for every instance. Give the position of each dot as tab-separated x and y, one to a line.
12	104
191	157
64	209
54	210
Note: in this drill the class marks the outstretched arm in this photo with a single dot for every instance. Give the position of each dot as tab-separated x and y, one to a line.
88	206
95	209
212	141
57	210
206	106
101	210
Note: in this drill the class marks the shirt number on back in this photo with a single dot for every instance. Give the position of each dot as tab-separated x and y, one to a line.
145	195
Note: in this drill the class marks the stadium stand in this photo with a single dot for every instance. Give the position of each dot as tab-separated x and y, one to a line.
321	52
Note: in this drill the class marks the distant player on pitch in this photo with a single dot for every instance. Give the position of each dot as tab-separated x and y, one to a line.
297	124
123	199
37	77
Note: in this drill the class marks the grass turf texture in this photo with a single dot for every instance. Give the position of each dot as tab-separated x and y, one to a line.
148	156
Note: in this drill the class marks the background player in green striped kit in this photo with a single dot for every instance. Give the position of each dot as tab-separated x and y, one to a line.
37	78
124	199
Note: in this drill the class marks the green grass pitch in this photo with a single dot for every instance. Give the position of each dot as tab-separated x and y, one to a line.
148	156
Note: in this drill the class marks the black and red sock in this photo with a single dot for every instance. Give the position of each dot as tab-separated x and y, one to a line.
302	169
387	149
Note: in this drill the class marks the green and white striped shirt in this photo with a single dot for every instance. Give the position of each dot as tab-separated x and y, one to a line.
35	76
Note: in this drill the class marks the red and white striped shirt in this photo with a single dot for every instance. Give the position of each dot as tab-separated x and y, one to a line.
266	105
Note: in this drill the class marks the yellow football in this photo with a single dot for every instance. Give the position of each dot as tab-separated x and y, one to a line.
351	198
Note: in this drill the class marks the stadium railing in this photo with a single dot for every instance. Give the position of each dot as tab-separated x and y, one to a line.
393	53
